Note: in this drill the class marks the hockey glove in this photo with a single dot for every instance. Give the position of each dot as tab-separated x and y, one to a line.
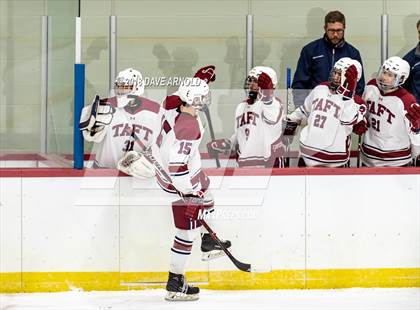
136	165
219	146
190	208
266	88
94	118
186	211
192	211
360	128
289	127
348	87
413	115
197	202
98	114
207	73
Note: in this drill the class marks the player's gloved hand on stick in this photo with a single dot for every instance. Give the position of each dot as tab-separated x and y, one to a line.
97	114
193	205
190	208
196	202
192	211
207	73
94	118
348	87
215	147
289	129
266	87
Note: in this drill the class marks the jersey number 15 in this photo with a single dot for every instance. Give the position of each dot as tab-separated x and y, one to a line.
185	148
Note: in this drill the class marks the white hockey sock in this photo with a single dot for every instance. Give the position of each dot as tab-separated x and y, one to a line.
181	249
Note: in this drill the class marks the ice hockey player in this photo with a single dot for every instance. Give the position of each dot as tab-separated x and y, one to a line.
331	110
177	152
258	124
392	130
114	123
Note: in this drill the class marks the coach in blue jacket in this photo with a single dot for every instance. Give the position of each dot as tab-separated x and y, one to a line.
318	57
413	58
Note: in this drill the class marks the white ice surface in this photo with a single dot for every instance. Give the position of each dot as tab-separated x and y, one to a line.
349	299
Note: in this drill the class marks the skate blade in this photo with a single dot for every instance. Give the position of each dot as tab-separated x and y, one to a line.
177	296
206	256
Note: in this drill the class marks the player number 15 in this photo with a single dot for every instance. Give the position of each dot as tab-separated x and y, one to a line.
185	148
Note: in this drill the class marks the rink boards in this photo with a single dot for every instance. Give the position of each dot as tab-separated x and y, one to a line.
63	229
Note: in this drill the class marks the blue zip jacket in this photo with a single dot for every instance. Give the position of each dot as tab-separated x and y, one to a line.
315	63
413	82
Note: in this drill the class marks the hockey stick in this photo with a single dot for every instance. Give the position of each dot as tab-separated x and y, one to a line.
93	112
240	265
359	142
288	102
212	137
150	158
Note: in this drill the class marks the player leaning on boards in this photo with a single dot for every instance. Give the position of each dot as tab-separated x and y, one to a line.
392	131
258	124
113	122
176	150
331	110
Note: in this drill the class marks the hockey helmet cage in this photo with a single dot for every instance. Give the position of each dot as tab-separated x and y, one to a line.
128	82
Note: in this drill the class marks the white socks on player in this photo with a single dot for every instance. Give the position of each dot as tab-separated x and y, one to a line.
181	249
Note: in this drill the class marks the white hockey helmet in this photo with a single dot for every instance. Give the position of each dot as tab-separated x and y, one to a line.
128	82
340	68
194	92
255	72
398	67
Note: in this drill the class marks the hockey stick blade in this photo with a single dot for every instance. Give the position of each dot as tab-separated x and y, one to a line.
240	265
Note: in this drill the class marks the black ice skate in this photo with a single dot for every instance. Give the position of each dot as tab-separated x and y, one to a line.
179	290
211	249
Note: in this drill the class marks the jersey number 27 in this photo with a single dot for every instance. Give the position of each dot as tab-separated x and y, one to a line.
319	120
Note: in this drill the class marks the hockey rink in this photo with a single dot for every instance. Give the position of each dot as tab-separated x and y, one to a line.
338	299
